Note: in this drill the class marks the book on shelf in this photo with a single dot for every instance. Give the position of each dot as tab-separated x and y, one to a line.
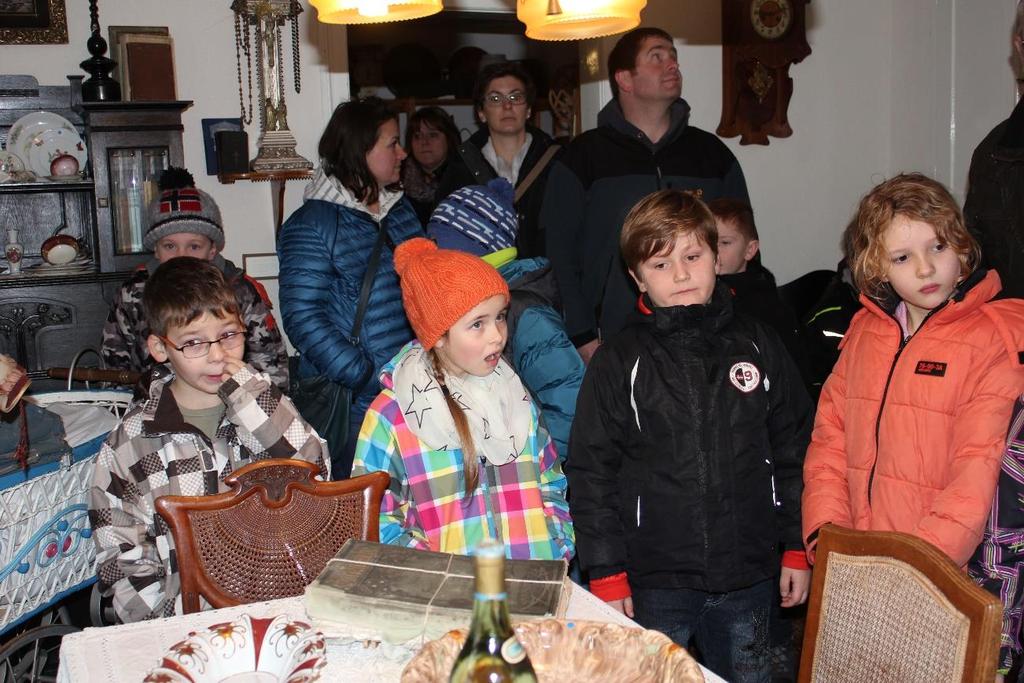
397	594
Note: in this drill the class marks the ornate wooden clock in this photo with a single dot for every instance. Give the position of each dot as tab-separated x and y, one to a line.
760	40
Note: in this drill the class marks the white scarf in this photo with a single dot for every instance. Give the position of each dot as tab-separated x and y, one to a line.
497	407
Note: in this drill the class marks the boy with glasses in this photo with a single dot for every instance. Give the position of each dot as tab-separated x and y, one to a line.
207	414
185	221
506	146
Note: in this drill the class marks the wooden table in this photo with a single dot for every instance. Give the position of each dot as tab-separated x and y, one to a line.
118	654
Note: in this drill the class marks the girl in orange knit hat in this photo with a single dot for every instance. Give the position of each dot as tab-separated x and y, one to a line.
454	426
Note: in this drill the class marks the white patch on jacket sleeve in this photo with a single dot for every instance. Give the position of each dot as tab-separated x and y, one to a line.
632	395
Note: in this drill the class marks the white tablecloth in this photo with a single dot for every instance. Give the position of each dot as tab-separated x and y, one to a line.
117	654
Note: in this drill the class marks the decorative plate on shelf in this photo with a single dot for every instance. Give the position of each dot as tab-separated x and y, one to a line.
568	651
39	137
277	650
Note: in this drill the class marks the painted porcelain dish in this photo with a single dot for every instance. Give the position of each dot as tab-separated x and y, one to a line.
39	137
567	651
278	650
59	250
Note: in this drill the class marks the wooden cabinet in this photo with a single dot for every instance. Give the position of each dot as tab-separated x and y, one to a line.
46	315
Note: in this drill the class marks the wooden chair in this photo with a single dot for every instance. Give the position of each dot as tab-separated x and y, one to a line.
888	606
271	535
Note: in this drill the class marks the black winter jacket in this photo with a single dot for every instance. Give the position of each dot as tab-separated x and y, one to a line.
530	240
687	450
594	184
994	210
756	295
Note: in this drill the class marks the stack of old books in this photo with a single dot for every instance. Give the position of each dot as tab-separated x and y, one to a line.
395	594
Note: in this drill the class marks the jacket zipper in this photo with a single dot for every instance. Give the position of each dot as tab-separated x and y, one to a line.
888	381
657	169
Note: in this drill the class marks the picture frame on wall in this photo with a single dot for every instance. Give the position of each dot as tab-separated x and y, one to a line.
33	22
210	129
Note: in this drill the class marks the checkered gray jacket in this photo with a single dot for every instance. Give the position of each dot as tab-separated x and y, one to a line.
125	332
154	452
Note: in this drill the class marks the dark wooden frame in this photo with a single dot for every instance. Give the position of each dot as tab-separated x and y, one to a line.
983	609
14	31
247	482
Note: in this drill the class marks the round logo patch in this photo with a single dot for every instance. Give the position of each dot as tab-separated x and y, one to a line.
745	376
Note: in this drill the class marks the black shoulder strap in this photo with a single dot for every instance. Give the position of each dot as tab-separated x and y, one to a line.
371	272
475	162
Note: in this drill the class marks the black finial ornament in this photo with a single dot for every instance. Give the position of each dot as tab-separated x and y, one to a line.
99	87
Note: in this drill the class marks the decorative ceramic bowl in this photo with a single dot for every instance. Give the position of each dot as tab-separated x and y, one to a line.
276	650
59	250
63	166
565	651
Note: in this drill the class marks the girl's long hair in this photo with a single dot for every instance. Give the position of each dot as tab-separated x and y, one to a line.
470	466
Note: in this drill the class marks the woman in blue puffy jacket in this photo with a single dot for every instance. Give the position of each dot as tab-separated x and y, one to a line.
325	248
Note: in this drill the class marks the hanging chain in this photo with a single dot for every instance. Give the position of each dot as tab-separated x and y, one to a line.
242	45
294	17
280	56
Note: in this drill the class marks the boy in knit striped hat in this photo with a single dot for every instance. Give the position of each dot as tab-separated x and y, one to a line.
185	221
455	427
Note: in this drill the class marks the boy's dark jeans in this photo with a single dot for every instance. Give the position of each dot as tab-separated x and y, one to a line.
731	630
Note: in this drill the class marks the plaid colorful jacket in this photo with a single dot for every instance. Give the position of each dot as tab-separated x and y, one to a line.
125	332
521	504
997	563
155	453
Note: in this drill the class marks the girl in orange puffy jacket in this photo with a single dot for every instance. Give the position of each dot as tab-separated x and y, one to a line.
911	423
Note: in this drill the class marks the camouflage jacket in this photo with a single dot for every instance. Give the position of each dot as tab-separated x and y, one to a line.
153	453
125	332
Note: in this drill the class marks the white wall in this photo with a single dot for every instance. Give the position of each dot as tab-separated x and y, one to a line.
891	85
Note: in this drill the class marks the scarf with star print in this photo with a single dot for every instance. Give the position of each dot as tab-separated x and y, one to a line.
497	407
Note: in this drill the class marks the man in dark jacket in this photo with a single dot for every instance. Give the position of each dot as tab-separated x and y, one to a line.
642	143
506	146
687	452
994	210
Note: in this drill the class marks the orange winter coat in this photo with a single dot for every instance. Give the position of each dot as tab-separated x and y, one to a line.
909	435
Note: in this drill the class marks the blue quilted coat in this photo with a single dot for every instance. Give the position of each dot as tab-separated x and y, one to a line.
324	249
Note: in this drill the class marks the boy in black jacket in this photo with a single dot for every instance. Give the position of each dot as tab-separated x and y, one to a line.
687	451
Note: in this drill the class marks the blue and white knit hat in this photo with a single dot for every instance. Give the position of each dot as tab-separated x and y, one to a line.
478	219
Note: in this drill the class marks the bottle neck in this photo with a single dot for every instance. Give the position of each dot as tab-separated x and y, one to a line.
490	602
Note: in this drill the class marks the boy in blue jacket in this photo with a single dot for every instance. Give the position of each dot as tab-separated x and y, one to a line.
481	220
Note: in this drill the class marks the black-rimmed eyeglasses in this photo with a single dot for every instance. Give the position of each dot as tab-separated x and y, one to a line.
196	348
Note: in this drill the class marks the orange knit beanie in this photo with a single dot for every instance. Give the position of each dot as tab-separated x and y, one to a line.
439	286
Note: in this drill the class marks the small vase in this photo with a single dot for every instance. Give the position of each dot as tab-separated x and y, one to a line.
14	251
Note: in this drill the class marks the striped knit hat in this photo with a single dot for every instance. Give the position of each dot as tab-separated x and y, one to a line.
181	207
478	219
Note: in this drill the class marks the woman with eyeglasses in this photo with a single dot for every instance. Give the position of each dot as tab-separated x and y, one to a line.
506	146
337	273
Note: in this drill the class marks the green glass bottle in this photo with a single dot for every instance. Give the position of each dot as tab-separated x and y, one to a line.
492	654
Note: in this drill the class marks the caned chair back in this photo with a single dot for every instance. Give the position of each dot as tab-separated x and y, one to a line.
888	606
271	534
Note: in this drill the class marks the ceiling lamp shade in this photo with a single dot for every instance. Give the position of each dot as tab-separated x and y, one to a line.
373	11
578	19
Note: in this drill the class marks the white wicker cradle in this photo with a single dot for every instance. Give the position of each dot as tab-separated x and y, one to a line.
46	550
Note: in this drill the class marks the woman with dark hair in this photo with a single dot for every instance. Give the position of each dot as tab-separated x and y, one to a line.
352	208
508	147
430	137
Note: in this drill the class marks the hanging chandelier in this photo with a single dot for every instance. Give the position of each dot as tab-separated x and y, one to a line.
373	11
578	19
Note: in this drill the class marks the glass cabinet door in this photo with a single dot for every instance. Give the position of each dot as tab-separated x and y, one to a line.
134	174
